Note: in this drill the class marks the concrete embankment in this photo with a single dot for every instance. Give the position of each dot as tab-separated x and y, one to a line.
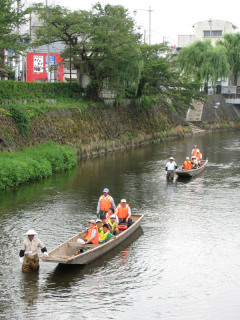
93	131
99	130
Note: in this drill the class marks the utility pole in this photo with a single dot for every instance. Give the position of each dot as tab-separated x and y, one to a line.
149	21
210	24
150	24
17	62
48	56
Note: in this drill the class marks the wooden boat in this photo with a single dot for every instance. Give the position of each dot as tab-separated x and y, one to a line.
193	172
65	253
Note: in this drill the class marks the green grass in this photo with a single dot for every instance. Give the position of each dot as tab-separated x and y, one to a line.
34	163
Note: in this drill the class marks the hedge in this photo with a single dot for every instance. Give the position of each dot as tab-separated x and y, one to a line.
31	91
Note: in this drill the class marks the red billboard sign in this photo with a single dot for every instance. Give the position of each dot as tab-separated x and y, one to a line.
37	67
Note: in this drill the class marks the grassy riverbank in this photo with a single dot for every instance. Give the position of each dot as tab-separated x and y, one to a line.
34	163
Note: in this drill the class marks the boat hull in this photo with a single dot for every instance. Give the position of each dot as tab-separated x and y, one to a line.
193	172
64	253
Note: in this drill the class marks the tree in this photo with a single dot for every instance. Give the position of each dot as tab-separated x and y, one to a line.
11	17
231	42
102	44
155	74
162	79
204	62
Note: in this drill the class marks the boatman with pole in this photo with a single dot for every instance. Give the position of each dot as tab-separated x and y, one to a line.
105	202
29	252
171	166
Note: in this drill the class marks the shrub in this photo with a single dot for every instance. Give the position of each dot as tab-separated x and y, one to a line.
34	163
12	91
21	118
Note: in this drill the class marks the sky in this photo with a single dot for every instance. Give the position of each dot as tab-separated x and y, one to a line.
168	18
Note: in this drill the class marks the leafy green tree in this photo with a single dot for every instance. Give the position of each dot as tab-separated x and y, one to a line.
102	44
231	42
11	17
204	62
155	73
162	79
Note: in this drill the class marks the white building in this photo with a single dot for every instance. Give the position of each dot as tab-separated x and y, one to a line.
207	29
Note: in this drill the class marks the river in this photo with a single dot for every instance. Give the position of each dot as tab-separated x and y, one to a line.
183	263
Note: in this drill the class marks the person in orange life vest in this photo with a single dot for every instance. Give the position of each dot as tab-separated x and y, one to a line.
105	202
194	162
92	235
195	150
199	158
187	164
123	213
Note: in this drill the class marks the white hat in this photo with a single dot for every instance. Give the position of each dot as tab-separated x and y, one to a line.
123	200
187	158
92	221
112	216
106	190
194	157
30	232
171	158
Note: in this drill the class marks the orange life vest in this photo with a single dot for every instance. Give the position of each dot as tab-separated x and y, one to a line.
199	156
187	165
122	212
194	151
105	204
89	234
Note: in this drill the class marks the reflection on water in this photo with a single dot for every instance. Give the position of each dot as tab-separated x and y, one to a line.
185	265
30	289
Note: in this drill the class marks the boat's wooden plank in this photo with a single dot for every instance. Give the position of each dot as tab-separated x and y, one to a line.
79	245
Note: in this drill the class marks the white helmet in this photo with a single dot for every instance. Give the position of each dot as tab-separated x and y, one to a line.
30	232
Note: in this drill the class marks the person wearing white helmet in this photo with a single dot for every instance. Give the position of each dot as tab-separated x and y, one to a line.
29	252
105	202
187	165
171	166
123	212
199	158
112	223
194	162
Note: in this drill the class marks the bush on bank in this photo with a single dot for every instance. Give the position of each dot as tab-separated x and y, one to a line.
11	91
34	163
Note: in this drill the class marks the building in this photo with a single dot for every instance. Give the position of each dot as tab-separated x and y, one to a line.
60	71
207	29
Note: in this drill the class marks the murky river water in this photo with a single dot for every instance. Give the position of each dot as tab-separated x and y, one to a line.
183	263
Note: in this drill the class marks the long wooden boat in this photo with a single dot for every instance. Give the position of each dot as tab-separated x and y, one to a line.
193	172
65	253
